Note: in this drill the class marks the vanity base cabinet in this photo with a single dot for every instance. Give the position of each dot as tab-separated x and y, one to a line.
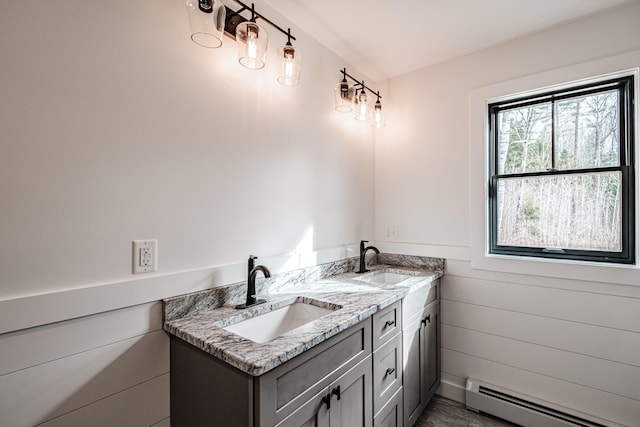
381	372
206	390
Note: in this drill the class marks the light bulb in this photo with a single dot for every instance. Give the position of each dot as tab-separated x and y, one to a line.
362	106
289	54
378	119
290	65
252	45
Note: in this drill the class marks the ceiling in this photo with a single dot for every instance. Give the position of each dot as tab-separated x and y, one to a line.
384	39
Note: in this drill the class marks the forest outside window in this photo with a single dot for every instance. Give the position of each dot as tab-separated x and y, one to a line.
561	174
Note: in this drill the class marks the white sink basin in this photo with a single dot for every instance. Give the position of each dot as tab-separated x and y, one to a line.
385	277
267	326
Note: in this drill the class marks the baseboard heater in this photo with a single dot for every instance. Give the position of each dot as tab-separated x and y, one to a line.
483	397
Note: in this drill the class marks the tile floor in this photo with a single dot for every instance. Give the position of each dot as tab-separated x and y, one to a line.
443	412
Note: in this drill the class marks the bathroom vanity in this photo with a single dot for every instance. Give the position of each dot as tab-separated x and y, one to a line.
370	359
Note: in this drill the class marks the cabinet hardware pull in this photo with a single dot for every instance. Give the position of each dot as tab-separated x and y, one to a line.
336	391
426	319
326	400
389	323
390	371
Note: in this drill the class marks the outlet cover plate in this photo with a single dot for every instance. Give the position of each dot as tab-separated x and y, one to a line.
391	232
145	256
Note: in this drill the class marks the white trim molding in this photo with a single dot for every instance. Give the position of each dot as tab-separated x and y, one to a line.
41	309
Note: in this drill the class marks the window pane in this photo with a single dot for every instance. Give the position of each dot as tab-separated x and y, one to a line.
587	131
524	139
581	211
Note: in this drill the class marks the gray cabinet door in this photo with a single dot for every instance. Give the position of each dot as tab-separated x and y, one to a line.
313	413
345	403
352	397
431	360
421	342
413	366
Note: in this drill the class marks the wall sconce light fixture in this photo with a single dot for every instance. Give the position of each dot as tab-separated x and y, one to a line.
361	103
209	19
290	63
252	43
349	97
378	117
206	22
344	94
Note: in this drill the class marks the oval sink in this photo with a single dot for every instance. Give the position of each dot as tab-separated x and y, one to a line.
265	327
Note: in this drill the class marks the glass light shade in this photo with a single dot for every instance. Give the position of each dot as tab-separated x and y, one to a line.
252	42
290	65
344	94
361	106
378	116
206	22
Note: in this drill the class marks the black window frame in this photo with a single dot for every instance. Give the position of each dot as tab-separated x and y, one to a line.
626	117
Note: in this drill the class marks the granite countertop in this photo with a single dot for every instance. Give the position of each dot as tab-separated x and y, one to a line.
358	300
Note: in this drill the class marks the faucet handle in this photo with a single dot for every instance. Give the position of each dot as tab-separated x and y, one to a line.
250	263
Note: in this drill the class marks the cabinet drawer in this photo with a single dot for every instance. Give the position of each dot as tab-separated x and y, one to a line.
391	413
386	323
419	298
286	387
387	371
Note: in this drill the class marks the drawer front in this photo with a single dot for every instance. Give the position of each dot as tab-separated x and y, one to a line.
386	324
391	414
387	371
419	298
288	386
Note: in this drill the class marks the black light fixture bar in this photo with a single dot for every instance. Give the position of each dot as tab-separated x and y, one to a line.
359	83
233	18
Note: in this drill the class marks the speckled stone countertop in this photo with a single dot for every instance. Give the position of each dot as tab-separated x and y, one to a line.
199	318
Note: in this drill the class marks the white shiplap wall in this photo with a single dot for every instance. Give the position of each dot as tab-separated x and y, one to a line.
574	344
103	370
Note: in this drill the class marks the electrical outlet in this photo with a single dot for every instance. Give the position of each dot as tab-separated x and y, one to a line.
145	256
391	232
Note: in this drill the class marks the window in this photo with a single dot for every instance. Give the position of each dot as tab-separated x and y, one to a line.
561	174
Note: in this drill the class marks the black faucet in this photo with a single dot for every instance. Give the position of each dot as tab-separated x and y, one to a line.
363	251
252	272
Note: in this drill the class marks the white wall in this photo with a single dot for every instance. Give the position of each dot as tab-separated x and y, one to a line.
571	339
114	126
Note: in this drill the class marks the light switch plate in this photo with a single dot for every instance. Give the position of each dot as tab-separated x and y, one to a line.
145	256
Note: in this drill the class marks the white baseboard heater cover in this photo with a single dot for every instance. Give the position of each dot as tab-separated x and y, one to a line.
497	401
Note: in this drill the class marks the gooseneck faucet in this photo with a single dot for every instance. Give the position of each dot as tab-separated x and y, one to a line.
363	252
252	272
